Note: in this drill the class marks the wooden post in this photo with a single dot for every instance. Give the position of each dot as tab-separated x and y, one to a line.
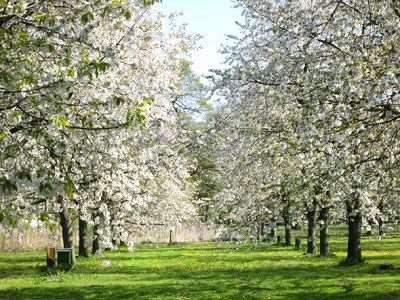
51	257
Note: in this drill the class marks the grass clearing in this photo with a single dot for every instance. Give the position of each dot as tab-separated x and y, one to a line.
208	271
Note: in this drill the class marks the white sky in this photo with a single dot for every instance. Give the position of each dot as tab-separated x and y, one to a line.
212	19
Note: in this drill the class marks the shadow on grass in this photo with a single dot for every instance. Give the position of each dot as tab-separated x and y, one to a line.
18	259
201	291
346	296
160	291
212	272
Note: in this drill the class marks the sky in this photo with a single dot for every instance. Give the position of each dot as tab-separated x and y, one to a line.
212	19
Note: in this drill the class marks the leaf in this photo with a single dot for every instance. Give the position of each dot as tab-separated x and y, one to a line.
102	66
148	101
51	48
69	187
17	117
28	80
40	18
24	175
52	21
6	76
67	61
87	17
118	100
150	2
203	103
137	115
45	188
11	151
95	67
127	14
44	217
3	135
60	121
71	73
6	186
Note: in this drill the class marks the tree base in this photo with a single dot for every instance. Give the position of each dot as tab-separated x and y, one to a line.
351	262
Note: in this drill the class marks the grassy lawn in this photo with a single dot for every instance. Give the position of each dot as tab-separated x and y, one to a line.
208	271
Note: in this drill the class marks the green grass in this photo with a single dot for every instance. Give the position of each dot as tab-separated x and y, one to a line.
208	271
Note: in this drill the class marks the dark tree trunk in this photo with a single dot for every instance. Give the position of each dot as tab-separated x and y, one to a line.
288	226
354	225
206	209
369	229
297	243
262	230
272	232
114	240
311	224
323	232
288	236
82	251
96	237
96	241
381	228
65	224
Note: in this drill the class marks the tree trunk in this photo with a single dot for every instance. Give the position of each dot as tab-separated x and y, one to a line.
170	237
288	226
65	224
262	231
115	235
381	228
369	227
82	251
323	232
297	243
96	238
206	212
354	225
272	232
311	224
288	235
